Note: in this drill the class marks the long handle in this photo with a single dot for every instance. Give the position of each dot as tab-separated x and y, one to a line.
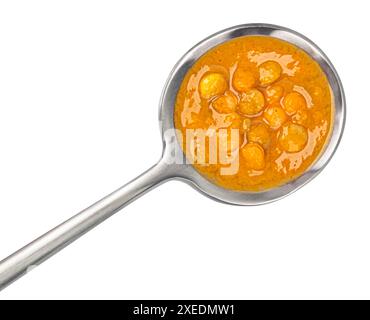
23	260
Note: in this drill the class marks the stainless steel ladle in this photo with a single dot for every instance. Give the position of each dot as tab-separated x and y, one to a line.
166	169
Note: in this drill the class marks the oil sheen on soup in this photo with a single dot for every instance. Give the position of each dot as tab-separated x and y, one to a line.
253	113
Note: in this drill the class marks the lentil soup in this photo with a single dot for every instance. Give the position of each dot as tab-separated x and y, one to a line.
276	97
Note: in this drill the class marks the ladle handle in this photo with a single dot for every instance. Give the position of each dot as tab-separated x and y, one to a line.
23	260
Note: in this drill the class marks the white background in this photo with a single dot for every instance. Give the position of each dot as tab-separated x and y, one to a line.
77	77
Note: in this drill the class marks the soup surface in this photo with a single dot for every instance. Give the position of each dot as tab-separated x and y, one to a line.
253	113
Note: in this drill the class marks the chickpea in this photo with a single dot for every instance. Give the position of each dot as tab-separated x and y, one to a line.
229	120
226	103
275	116
270	71
274	93
243	79
212	84
293	137
252	102
259	133
293	102
254	156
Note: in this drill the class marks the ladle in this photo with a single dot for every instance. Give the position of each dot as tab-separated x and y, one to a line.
169	167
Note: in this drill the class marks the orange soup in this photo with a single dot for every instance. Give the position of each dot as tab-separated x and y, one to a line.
272	94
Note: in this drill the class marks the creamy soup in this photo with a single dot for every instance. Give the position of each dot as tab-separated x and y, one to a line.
272	94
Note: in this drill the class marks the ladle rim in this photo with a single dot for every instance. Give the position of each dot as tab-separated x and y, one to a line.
189	174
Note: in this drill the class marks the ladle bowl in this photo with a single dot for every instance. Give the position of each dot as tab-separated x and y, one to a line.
173	164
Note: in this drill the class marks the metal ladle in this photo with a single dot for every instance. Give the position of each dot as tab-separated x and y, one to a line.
166	169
